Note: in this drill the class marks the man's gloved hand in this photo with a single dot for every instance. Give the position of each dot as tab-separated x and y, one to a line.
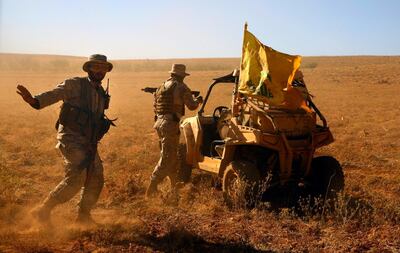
26	95
199	99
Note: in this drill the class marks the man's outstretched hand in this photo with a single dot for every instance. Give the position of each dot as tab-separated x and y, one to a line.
25	94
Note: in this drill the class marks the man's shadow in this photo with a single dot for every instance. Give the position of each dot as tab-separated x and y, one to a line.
181	240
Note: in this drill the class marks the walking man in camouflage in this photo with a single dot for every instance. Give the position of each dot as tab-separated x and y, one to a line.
169	105
80	126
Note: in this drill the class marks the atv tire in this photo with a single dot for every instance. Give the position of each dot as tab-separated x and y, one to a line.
327	178
240	184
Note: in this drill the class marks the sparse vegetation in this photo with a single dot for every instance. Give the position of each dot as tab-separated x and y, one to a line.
309	65
363	117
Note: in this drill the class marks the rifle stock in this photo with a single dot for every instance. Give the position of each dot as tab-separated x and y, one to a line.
149	90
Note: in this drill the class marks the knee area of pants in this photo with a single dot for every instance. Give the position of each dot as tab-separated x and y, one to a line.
74	179
98	175
100	182
169	154
74	156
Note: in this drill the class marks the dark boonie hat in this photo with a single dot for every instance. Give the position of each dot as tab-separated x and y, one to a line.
97	59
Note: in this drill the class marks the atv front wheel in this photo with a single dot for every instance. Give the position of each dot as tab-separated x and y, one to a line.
327	177
240	184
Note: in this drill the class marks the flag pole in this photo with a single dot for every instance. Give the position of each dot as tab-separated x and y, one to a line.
235	109
241	57
244	35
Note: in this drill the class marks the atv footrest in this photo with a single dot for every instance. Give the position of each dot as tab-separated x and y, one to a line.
217	148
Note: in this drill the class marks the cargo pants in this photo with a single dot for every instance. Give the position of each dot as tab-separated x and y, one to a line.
77	177
168	133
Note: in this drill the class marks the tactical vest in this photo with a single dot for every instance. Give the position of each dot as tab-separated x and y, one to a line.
164	101
81	119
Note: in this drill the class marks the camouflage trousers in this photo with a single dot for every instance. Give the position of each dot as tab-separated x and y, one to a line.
168	133
78	177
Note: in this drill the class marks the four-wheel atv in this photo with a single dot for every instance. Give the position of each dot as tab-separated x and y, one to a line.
257	147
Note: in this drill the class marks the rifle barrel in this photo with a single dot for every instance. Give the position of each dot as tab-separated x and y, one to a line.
152	90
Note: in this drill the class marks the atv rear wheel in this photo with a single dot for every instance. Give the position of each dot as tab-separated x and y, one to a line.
184	169
240	184
327	177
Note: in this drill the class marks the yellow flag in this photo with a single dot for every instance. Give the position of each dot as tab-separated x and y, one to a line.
266	72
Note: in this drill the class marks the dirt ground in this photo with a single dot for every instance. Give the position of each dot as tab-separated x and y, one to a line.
359	96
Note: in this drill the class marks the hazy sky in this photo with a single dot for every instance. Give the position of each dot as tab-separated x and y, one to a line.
191	29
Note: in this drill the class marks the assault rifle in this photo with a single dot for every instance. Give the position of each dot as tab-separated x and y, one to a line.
153	90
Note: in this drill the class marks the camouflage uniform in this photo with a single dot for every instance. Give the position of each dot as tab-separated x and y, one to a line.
75	146
167	127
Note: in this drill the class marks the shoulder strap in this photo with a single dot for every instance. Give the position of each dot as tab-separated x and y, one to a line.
174	84
172	88
84	103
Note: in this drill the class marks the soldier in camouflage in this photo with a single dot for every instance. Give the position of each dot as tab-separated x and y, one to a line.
85	97
169	105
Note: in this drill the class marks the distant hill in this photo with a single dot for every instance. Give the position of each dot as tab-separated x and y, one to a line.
37	63
56	63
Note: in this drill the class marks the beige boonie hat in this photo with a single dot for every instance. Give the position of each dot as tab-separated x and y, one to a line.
97	59
179	70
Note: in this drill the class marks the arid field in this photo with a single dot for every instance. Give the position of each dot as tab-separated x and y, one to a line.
359	96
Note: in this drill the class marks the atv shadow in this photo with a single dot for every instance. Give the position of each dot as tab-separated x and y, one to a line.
302	201
305	203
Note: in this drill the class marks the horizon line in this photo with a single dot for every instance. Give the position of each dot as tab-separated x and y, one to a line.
191	58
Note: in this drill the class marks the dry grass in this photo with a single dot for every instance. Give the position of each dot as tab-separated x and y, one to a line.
358	95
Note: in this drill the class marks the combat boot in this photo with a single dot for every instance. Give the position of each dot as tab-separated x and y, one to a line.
85	219
43	212
151	189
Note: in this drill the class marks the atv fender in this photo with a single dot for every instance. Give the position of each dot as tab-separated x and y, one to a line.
191	131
